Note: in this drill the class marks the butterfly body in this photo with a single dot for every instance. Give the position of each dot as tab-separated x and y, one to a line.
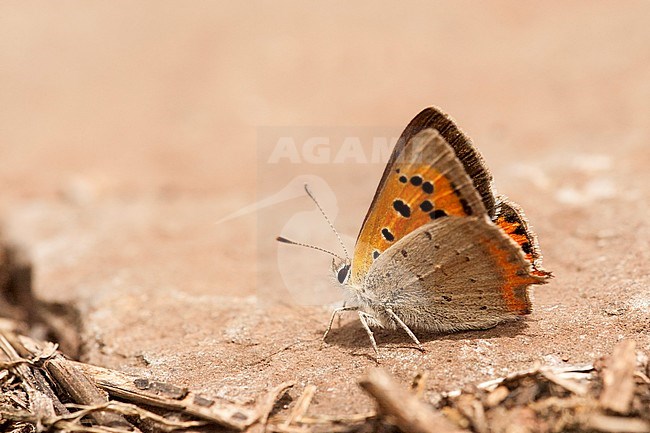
436	285
439	250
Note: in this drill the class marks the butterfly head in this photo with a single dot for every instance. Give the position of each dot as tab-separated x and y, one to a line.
341	269
340	266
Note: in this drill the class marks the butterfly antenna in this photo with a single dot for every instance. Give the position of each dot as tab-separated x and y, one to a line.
300	244
309	193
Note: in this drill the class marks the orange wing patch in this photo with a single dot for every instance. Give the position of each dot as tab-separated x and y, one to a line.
516	231
515	288
468	155
419	194
512	221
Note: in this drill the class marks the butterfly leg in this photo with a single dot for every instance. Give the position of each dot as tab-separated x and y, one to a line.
405	328
363	317
336	312
338	323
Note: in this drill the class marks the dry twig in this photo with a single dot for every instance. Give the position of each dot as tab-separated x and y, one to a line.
618	378
42	399
266	405
79	386
301	406
408	413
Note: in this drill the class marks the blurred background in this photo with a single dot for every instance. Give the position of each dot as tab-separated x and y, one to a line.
165	100
160	94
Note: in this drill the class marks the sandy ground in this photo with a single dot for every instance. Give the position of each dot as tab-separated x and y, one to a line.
128	132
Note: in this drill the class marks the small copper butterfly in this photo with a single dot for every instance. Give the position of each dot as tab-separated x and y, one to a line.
439	250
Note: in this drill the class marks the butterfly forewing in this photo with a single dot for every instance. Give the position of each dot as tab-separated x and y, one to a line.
466	152
423	182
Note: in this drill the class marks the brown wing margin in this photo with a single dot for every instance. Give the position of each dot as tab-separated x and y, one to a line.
432	117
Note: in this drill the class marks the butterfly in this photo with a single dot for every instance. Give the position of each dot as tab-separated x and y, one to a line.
439	250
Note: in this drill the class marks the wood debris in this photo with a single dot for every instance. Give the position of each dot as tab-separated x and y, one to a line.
402	407
29	398
618	378
575	398
41	390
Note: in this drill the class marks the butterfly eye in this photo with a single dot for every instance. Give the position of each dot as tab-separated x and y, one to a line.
342	274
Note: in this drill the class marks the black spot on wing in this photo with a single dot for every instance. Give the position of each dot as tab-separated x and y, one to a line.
375	254
403	179
438	213
426	206
416	180
402	208
466	207
455	188
510	217
387	234
520	230
427	187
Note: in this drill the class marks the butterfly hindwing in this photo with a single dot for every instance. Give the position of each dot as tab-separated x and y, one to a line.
435	279
423	181
511	219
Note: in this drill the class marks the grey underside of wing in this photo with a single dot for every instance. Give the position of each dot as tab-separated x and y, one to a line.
441	276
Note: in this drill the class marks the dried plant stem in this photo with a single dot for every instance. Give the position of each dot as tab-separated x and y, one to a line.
402	407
